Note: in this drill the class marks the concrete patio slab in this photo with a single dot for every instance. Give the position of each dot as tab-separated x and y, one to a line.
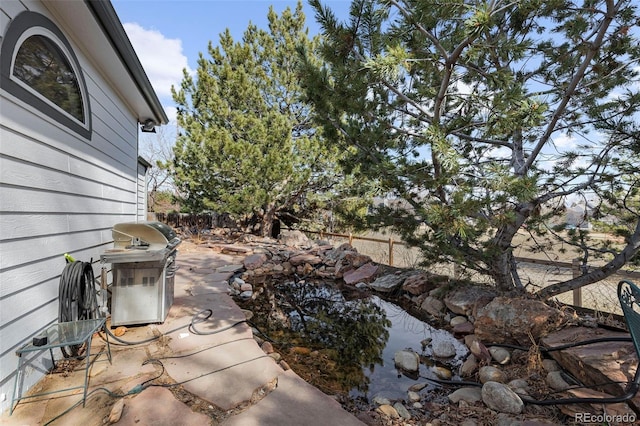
294	402
209	288
125	364
193	304
227	374
188	341
158	407
229	268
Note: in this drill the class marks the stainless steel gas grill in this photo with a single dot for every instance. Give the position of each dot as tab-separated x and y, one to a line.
143	266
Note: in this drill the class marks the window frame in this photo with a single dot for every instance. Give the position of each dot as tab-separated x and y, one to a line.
23	26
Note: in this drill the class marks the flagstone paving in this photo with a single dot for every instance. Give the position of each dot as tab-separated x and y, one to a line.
203	354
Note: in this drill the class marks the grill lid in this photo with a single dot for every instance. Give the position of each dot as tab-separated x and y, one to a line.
143	234
141	241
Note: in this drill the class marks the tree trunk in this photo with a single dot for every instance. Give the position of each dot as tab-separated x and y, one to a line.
631	249
266	225
501	269
502	264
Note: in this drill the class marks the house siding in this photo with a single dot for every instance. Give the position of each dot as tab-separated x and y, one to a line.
59	193
142	192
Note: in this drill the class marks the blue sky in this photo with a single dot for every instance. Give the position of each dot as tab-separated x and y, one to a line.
168	35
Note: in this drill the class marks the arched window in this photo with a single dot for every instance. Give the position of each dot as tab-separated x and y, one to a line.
42	66
39	67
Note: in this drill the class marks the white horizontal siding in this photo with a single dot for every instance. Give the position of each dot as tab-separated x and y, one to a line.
22	125
142	192
19	173
41	295
18	252
110	142
43	270
11	8
34	274
30	200
31	320
109	109
30	225
59	193
4	22
34	319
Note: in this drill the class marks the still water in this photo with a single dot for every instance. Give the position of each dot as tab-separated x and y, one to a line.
406	332
357	333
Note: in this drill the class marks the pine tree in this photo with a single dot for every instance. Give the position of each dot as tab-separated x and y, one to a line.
458	109
247	145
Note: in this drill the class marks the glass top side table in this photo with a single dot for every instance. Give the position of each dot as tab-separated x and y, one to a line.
60	335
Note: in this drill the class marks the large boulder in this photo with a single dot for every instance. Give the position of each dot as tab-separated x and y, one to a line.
254	261
433	306
350	260
304	258
605	362
387	283
419	283
331	257
468	395
516	320
501	398
467	300
294	239
363	274
407	360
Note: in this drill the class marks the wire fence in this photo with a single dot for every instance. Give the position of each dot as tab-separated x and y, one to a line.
601	297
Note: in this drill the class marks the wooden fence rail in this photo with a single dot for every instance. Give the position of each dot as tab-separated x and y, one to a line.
575	266
207	221
198	221
351	237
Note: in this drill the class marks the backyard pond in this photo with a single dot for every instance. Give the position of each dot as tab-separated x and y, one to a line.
345	341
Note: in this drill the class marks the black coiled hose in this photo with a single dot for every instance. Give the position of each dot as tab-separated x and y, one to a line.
77	296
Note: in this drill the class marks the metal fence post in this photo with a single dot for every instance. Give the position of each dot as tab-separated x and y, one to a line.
390	252
577	293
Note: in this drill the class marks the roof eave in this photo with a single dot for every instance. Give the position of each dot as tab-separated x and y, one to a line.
108	19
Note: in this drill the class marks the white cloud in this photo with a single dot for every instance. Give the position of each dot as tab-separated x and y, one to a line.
161	57
172	113
463	88
564	142
502	152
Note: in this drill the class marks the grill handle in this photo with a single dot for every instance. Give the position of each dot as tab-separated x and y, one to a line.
133	239
171	267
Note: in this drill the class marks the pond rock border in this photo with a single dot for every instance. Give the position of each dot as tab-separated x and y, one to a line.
502	331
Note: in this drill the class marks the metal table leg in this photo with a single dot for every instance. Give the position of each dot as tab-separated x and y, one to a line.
15	385
86	371
57	342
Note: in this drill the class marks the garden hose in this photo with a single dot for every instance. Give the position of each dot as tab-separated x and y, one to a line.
76	296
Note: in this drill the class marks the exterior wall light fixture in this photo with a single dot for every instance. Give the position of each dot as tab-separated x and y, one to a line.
149	126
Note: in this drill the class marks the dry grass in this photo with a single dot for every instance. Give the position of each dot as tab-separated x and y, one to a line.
534	361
